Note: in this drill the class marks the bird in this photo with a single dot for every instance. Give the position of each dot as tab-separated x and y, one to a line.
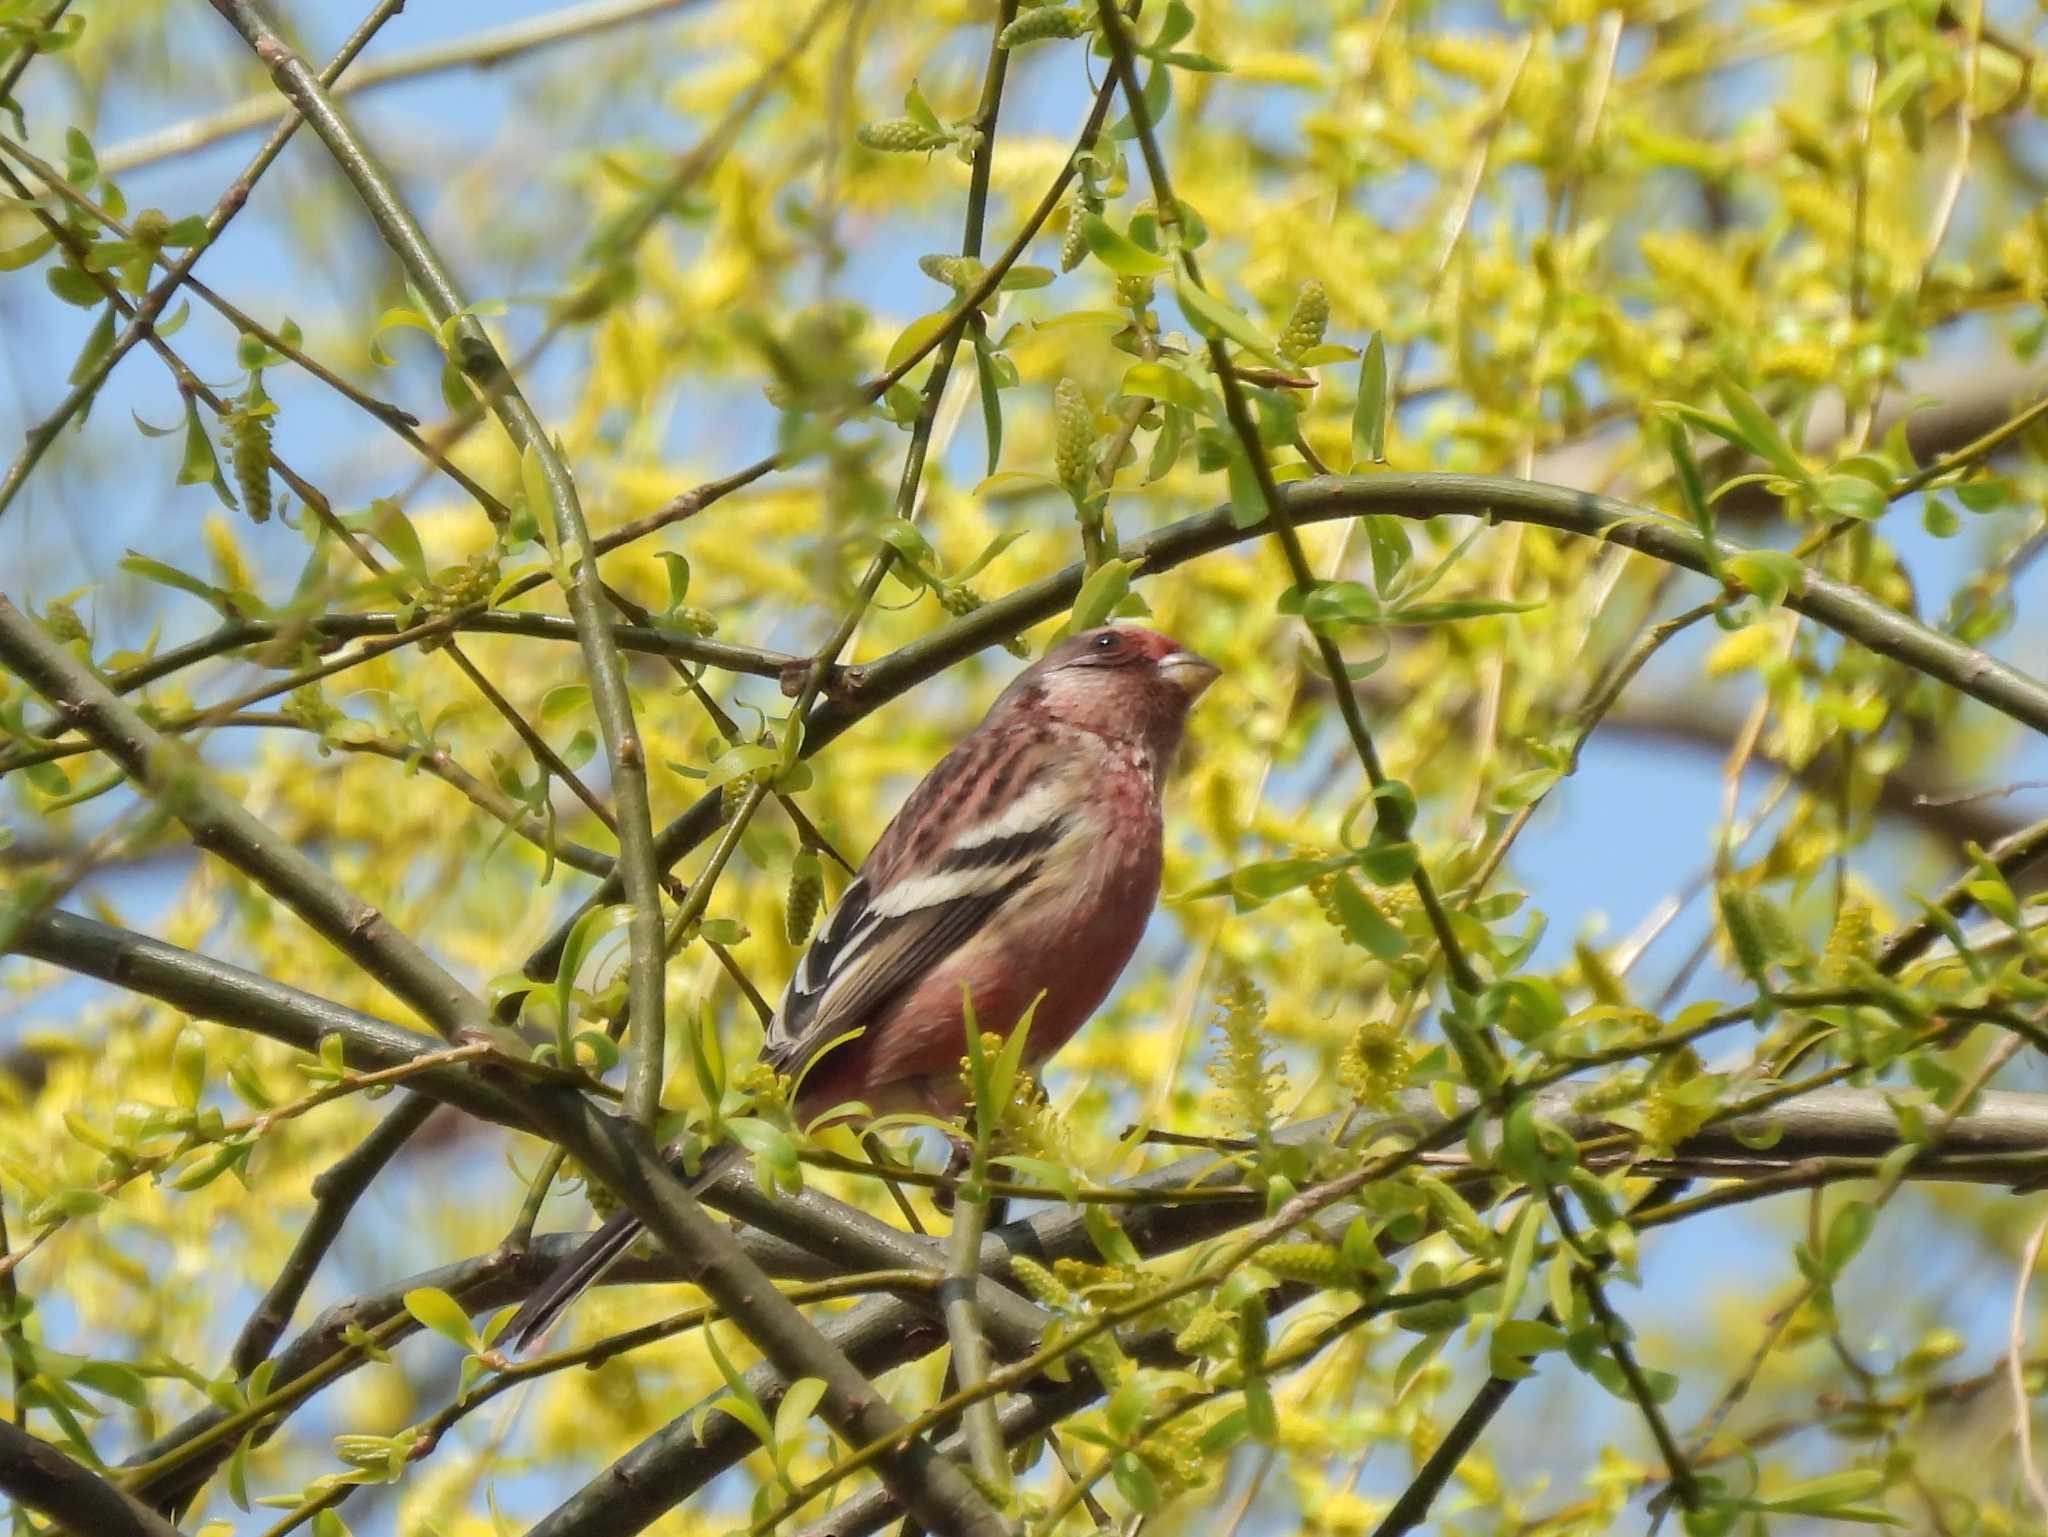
1015	880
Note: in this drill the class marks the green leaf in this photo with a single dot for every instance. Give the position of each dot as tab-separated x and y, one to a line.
115	1379
1827	1496
397	318
1157	94
1848	1230
1134	1481
735	761
743	1405
583	937
1516	1341
540	501
1099	596
170	576
918	338
920	111
197	466
97	344
1984	493
1851	496
1222	322
794	1412
438	1311
1023	277
1334	606
385	523
1692	492
1369	416
1178	22
1521	1250
1759	432
1360	917
1247	497
1254	885
1770	574
74	287
14	258
1388	864
188	1066
81	165
1118	252
1159	381
1455	609
678	578
991	402
989	552
66	1203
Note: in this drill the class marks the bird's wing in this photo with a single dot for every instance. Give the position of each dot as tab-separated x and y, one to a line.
972	838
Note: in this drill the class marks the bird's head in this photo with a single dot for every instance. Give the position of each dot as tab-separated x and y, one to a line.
1120	681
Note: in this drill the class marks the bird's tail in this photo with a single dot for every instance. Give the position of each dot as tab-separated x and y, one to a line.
596	1255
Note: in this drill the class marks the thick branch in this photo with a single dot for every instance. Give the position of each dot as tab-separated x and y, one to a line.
1836	605
218	823
43	1478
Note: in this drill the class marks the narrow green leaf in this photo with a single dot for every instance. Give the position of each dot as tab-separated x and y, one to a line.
1220	321
1369	416
1247	497
991	401
1760	432
1100	594
1521	1250
1118	252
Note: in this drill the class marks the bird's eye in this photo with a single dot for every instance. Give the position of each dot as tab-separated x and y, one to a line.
1105	642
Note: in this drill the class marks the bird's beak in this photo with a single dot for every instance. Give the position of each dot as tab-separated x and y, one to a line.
1188	672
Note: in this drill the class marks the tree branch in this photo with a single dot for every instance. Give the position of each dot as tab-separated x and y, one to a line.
335	1194
151	305
473	352
43	1478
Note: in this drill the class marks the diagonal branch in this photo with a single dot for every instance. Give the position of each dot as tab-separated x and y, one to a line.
473	352
1479	1054
42	1478
151	305
481	50
219	824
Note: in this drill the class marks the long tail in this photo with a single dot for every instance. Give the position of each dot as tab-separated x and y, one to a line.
604	1248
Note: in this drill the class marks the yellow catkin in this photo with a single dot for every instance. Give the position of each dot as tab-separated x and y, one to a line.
1073	433
806	892
1312	1264
1043	1285
1250	1081
1850	942
899	136
1307	321
1206	1331
1044	24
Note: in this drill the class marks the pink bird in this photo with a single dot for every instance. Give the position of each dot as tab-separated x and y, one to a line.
1021	870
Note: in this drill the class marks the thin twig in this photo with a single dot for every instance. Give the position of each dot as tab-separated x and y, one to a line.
1482	1065
42	435
2015	1367
480	50
477	357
